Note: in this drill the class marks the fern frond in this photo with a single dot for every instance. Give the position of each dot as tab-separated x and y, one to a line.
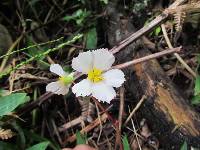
182	11
179	19
6	134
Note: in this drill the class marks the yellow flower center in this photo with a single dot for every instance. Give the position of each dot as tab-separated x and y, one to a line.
66	79
95	75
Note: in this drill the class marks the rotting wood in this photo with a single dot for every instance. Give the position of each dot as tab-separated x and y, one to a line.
167	100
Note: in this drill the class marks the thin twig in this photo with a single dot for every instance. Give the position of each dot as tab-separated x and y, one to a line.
146	58
70	124
176	54
121	109
136	134
32	105
100	125
135	109
8	52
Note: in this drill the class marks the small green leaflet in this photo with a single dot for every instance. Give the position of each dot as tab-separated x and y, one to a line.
81	139
79	16
104	1
38	138
125	143
157	31
40	146
184	146
197	86
91	39
10	102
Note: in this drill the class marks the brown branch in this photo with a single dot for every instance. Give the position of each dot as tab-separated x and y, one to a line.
32	105
146	58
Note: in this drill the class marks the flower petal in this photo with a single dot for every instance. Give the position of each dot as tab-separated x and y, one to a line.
57	88
103	59
114	77
83	63
83	88
57	69
103	92
63	90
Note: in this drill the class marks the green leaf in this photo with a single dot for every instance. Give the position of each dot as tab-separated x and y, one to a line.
184	146
33	137
104	1
91	39
157	31
197	86
196	100
79	16
40	146
125	143
20	138
10	102
81	139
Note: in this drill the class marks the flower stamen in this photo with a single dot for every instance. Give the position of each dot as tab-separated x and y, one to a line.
95	75
66	79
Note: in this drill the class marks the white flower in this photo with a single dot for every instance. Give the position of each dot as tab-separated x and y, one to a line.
99	82
64	82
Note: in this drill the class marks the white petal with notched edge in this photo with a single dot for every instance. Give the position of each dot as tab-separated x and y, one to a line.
103	92
83	63
57	88
114	77
83	88
103	59
57	69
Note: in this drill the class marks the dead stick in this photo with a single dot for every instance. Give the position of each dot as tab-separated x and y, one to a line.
121	107
70	124
176	54
88	128
135	109
32	105
145	58
121	110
